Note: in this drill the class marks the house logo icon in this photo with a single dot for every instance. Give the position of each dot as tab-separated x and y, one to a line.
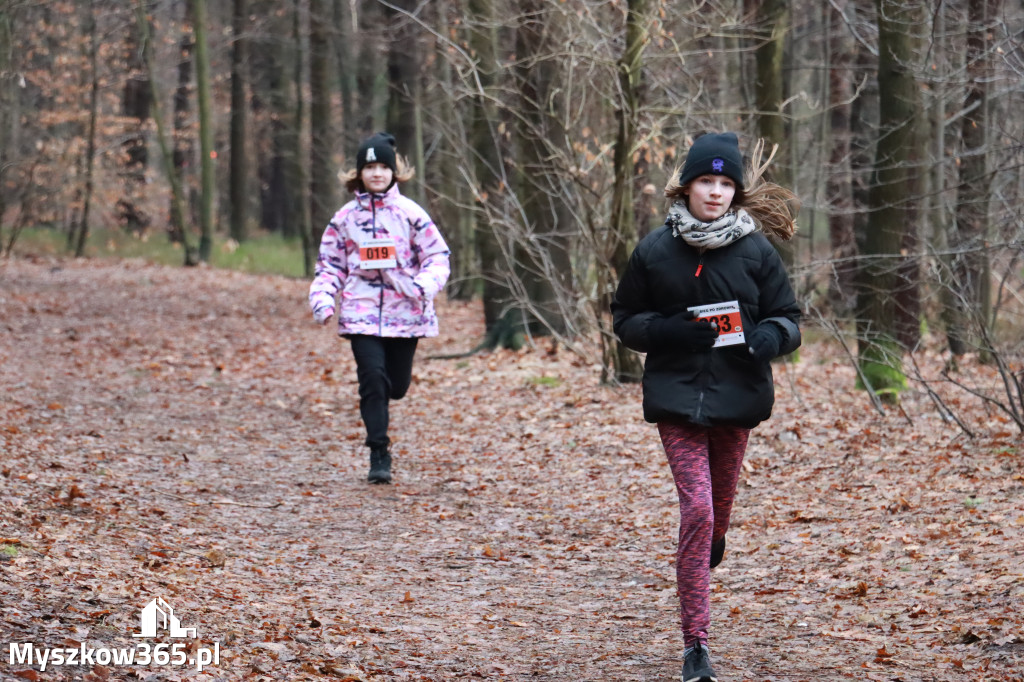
158	615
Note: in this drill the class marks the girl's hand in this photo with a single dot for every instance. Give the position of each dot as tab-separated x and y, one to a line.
323	314
680	331
765	341
402	283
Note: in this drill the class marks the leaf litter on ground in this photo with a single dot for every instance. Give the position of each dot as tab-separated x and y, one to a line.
192	434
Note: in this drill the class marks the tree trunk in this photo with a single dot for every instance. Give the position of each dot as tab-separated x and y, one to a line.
346	71
543	265
183	140
403	87
770	94
487	163
90	148
884	284
863	138
533	75
135	106
625	364
239	181
322	178
367	72
208	187
298	169
402	73
270	53
839	188
972	233
7	113
166	153
773	25
455	221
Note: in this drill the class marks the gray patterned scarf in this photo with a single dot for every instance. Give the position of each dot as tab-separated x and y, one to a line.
716	234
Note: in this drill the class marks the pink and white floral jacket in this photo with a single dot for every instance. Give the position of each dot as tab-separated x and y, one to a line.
398	301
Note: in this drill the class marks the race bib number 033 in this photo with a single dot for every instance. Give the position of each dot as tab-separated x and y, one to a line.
726	316
375	254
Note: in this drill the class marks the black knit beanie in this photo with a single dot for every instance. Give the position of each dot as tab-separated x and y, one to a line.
714	154
379	148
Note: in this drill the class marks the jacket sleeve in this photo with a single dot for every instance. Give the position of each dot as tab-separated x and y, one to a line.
432	252
778	302
331	268
631	314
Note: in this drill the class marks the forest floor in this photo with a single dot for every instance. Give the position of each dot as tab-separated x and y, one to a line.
192	435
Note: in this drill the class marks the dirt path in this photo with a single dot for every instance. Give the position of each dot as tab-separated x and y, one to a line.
192	435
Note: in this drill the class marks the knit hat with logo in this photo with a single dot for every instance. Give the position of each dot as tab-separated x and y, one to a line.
714	154
378	148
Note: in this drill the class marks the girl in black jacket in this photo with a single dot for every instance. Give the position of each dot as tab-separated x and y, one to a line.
707	297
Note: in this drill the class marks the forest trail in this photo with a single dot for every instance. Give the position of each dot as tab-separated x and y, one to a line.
191	434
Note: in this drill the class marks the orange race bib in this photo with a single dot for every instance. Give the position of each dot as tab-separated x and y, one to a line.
375	254
726	316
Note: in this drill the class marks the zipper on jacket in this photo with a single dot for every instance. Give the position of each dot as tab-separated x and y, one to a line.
380	273
705	379
700	264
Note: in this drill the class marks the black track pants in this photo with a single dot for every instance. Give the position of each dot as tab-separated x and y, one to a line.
384	370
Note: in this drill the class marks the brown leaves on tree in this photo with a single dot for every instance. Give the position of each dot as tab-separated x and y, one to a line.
198	439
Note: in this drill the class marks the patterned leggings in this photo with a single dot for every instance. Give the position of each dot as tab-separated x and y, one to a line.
705	463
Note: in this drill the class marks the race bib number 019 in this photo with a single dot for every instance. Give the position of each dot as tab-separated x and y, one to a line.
726	316
375	254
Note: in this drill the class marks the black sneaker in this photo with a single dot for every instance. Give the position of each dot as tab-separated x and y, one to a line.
717	552
380	466
697	666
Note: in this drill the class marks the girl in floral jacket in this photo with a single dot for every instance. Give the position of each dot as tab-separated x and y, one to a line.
382	261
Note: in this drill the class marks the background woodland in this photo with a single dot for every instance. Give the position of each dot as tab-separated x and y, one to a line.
543	132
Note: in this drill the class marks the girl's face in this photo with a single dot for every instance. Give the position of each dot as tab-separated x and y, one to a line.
710	196
376	177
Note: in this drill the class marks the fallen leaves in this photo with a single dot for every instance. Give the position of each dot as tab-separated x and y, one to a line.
217	459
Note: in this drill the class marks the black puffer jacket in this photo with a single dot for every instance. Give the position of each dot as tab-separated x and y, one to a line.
723	385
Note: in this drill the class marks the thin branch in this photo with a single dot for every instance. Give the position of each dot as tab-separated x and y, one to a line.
837	333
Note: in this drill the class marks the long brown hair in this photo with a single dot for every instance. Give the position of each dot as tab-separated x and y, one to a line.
773	207
354	183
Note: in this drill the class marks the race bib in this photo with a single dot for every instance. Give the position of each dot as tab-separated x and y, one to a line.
375	254
726	316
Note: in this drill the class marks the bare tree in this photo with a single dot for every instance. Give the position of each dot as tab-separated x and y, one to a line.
90	136
540	131
344	40
624	363
542	258
771	27
7	112
183	139
208	187
838	186
239	170
885	287
135	106
162	138
404	96
322	173
971	267
487	172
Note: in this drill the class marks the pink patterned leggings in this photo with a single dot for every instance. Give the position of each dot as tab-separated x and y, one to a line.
705	463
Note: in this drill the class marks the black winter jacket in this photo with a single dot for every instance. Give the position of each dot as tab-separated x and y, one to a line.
723	385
